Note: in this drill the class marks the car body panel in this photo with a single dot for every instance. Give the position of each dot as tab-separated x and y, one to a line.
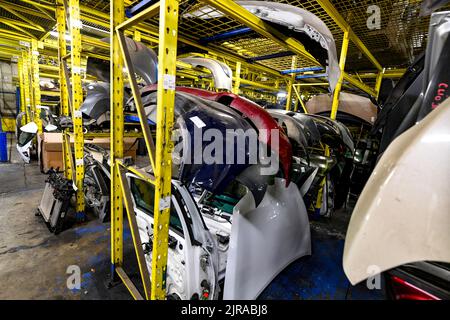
222	74
308	181
310	128
437	69
315	128
26	134
424	86
291	21
265	239
294	129
252	112
392	119
332	169
189	244
402	215
349	103
419	281
96	181
301	21
428	6
97	101
143	59
259	117
398	92
332	132
194	116
98	68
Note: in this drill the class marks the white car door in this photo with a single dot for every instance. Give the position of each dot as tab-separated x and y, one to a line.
191	263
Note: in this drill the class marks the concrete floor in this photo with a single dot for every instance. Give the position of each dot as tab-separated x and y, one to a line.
33	261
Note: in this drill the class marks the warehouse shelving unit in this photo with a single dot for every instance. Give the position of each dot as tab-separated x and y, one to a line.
160	151
30	45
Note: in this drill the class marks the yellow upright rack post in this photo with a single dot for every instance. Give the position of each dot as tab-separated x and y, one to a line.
380	76
20	73
26	84
36	86
237	81
77	99
299	98
137	35
63	88
160	155
117	126
290	84
337	90
167	58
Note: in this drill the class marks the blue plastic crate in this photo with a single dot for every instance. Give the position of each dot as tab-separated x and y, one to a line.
3	147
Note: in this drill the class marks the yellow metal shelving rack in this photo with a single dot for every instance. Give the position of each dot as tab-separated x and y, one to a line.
25	72
160	153
151	26
290	85
35	84
64	95
76	98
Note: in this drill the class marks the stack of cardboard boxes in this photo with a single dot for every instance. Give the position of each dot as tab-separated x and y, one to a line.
50	148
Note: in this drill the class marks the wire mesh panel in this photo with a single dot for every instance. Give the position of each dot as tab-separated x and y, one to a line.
401	36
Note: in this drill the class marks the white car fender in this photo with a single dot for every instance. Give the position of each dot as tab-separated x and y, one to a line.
266	239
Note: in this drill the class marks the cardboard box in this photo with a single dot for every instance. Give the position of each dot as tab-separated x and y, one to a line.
50	148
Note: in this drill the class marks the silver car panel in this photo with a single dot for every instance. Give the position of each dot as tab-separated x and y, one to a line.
222	74
294	18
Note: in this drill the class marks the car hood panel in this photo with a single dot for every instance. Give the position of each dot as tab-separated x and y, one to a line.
303	22
143	59
258	116
189	112
333	133
294	129
402	215
97	100
291	21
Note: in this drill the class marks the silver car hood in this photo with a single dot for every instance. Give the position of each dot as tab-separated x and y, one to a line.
143	59
295	19
403	213
97	101
222	74
294	129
